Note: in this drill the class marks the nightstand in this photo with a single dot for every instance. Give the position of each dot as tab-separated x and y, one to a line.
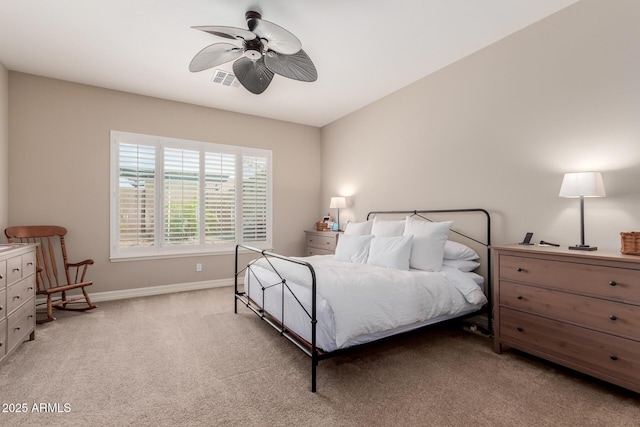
321	242
578	309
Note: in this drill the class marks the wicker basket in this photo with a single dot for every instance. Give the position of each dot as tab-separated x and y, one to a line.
630	243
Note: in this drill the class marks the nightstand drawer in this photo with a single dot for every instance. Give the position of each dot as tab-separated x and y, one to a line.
579	347
318	251
597	280
607	316
322	242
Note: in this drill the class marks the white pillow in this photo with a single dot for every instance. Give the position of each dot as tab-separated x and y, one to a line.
461	264
429	239
359	228
455	250
384	228
353	248
390	252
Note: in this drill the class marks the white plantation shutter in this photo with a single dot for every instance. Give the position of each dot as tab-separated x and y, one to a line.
136	201
173	196
254	198
181	196
220	198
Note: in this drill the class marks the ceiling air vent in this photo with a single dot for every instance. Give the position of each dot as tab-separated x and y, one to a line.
224	78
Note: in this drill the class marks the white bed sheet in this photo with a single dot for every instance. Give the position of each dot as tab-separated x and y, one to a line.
349	312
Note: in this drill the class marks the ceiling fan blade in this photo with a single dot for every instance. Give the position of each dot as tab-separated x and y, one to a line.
214	55
227	32
297	66
253	75
275	37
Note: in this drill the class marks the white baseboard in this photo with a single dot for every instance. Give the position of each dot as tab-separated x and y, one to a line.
153	290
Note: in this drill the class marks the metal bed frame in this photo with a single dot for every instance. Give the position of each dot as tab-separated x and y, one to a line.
310	348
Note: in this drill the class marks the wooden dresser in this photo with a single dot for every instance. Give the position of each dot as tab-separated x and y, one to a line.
577	309
321	242
17	296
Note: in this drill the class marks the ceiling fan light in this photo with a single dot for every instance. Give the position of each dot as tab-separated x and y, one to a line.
252	54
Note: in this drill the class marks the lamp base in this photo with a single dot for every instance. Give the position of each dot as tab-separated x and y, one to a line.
584	248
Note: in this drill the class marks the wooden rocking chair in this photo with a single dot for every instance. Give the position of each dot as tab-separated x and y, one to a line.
51	247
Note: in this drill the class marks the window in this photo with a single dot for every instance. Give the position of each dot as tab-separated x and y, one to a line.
171	197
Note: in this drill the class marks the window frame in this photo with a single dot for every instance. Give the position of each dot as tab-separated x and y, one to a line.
160	249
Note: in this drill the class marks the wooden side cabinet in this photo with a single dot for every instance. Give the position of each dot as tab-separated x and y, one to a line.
17	296
321	242
578	309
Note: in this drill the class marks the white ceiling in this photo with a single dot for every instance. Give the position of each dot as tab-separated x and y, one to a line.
363	49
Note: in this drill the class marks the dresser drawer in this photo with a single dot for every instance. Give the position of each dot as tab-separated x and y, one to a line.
3	273
3	303
20	292
14	269
607	316
327	243
20	324
578	347
596	280
3	338
28	264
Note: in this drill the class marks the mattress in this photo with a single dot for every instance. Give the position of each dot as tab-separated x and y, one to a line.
359	303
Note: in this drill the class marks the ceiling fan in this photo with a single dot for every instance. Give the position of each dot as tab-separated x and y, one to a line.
260	52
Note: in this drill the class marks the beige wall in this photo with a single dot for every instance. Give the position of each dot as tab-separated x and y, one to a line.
59	169
499	128
4	148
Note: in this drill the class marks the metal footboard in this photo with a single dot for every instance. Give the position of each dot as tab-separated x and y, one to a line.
258	306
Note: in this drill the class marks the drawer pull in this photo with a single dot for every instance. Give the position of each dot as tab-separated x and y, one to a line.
613	283
519	269
613	357
519	328
1	277
30	316
519	297
613	317
16	297
16	269
30	288
17	328
29	263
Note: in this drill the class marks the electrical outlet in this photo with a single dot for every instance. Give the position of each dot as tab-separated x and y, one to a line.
198	267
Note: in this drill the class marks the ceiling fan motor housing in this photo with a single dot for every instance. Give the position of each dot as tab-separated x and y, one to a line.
253	49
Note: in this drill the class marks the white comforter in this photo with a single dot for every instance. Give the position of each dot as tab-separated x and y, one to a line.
367	299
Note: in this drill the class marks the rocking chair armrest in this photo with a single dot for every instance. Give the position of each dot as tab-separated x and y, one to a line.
81	263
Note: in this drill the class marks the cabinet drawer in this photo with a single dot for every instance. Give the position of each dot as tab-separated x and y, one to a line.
20	292
3	304
14	269
322	242
28	264
597	280
3	338
579	347
20	324
607	316
3	273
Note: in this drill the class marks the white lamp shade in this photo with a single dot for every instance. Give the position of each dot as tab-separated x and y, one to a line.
585	184
338	203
